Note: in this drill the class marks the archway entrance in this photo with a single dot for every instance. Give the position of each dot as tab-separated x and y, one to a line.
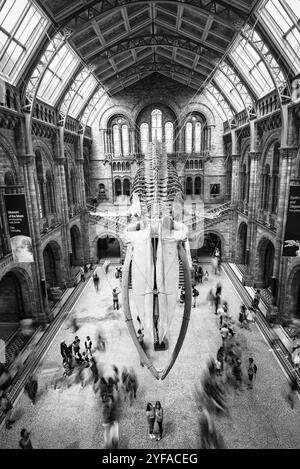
52	262
242	243
76	243
211	242
266	264
108	246
15	302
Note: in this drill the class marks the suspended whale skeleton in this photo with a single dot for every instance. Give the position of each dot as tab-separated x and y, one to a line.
157	241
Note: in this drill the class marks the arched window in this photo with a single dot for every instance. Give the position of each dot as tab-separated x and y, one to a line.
125	140
196	164
198	186
266	187
9	179
189	137
243	183
275	178
118	187
191	164
127	166
116	140
187	165
73	186
40	184
126	187
50	192
169	137
189	186
198	132
156	125
114	166
144	138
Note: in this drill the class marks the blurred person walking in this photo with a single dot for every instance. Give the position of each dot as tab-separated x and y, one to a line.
150	413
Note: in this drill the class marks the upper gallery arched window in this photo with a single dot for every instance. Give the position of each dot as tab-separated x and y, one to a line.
156	124
120	139
125	140
144	137
197	134
116	140
169	135
189	137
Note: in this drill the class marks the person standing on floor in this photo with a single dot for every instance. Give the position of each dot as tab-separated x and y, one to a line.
159	417
115	294
31	388
150	413
88	346
96	281
195	293
224	334
25	442
6	407
252	370
82	274
76	348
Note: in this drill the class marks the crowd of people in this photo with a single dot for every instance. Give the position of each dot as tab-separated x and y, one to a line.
230	371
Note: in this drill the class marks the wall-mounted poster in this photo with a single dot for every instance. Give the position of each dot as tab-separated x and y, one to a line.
291	247
20	239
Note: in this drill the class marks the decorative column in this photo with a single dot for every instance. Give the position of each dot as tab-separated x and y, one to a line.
248	278
233	216
27	162
28	166
287	155
65	226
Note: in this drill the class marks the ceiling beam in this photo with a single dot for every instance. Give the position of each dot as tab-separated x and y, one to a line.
206	45
98	8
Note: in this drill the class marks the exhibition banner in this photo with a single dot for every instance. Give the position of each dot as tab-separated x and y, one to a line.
291	247
20	239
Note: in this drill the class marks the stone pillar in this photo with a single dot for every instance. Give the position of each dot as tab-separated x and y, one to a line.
286	156
248	278
65	226
6	237
233	217
235	180
28	166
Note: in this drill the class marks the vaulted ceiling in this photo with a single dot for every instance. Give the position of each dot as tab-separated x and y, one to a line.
126	40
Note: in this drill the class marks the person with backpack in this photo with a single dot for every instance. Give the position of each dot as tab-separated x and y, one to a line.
195	293
115	294
25	442
252	370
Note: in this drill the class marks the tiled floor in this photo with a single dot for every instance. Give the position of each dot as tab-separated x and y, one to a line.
72	418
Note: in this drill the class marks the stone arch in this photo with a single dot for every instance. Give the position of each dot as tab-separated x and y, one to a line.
10	153
292	300
242	243
16	296
211	240
77	247
138	108
45	150
202	109
264	264
108	114
267	141
53	261
108	235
